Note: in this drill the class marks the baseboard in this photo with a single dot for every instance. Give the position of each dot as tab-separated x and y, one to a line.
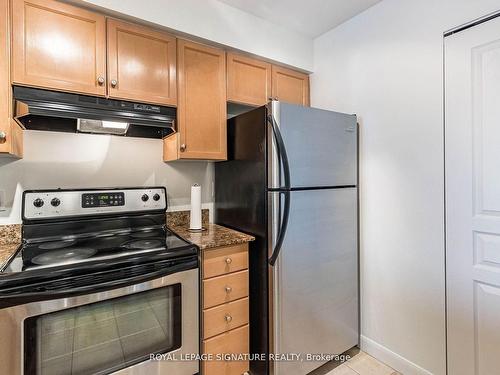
390	358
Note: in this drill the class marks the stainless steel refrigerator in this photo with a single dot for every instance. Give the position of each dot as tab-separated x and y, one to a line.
291	181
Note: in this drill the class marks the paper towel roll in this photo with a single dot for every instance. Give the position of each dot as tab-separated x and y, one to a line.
195	217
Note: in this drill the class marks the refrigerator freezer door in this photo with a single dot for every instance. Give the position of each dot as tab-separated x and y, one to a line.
315	279
321	147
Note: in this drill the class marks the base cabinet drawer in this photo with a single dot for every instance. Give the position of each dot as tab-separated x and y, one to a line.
225	317
225	260
232	342
227	288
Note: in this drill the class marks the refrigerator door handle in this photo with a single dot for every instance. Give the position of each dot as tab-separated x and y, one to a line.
285	190
282	228
280	147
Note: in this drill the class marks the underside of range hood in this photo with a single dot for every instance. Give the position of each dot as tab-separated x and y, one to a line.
73	113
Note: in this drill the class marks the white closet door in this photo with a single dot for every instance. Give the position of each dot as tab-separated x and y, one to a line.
472	136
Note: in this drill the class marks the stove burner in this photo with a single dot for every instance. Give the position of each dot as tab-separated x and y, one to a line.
143	244
64	255
57	244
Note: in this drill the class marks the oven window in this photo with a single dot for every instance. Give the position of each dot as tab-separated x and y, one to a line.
105	336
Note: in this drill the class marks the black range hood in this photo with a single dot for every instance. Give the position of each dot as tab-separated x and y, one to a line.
38	109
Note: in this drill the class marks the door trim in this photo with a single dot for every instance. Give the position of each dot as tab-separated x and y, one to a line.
473	23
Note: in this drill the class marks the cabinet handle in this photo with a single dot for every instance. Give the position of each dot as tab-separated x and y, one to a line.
100	80
228	289
114	82
228	260
3	136
228	318
183	147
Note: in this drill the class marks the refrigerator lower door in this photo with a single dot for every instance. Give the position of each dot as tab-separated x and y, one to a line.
314	284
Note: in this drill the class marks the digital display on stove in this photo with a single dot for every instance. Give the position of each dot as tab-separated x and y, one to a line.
103	199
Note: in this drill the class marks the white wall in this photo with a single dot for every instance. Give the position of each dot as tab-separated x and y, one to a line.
53	160
221	23
386	66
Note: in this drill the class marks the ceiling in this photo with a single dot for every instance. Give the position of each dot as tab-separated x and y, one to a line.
310	17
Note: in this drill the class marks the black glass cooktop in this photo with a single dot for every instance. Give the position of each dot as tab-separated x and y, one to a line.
105	248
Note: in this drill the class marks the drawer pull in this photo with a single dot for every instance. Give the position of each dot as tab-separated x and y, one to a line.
228	289
228	318
228	260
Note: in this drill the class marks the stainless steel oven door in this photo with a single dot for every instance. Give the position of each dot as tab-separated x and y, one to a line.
125	314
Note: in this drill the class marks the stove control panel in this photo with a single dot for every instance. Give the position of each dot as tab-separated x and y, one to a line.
52	204
103	199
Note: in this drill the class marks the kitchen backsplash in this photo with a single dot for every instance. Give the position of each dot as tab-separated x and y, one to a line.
181	218
63	160
10	234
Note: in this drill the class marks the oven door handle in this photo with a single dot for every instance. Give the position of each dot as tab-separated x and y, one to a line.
120	283
12	298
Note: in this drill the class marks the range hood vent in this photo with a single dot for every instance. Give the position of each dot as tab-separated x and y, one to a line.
63	112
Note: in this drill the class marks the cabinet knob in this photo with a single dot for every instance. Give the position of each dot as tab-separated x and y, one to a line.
228	318
183	147
3	136
228	289
114	82
100	80
228	260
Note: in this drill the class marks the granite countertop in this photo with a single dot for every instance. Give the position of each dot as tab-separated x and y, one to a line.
10	239
214	236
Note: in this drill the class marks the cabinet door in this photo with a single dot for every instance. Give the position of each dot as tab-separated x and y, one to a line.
234	342
58	46
141	64
202	101
248	80
4	78
290	86
10	133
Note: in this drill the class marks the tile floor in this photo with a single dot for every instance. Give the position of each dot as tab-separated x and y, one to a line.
363	364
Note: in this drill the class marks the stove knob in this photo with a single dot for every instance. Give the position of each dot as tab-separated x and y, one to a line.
55	202
156	197
38	202
145	197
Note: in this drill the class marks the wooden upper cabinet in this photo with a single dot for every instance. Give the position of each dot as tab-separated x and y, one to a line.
11	135
248	80
201	112
290	86
4	79
141	64
58	46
